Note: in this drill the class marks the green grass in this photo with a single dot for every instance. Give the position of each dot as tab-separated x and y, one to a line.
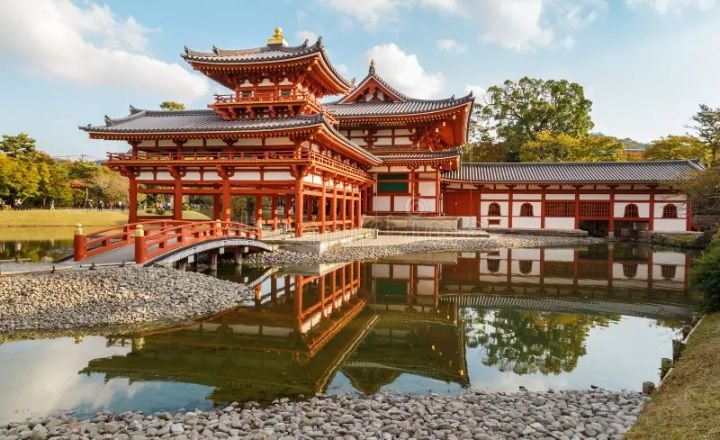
61	217
687	406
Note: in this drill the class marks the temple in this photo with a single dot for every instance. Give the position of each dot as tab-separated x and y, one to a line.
324	166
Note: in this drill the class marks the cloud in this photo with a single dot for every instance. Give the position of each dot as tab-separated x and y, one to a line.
368	12
664	7
88	44
307	35
404	71
477	91
450	45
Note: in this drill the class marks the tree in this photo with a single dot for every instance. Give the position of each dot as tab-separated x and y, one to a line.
16	146
705	276
172	105
549	147
703	190
707	126
676	148
517	112
483	152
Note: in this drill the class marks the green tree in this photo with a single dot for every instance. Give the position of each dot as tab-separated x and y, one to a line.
17	146
18	178
562	147
172	105
703	190
518	111
676	148
483	152
705	277
707	127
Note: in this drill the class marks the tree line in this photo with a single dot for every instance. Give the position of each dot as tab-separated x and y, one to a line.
38	180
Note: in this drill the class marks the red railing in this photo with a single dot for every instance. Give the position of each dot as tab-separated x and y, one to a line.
243	156
157	237
264	97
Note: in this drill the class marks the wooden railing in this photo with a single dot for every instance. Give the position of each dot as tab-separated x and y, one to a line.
264	97
277	156
157	237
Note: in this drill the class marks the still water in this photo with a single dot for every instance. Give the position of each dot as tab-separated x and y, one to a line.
444	323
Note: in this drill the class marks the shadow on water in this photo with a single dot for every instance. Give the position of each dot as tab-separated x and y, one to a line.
443	322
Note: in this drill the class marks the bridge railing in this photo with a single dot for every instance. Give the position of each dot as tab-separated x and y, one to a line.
105	240
173	237
156	237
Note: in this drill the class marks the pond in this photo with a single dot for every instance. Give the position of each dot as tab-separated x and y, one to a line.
444	322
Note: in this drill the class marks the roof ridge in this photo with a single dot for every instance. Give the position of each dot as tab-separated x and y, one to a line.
622	162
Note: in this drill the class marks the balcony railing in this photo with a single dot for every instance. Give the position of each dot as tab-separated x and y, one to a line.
247	157
264	97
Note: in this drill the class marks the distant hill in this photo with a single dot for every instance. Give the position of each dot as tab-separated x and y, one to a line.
630	144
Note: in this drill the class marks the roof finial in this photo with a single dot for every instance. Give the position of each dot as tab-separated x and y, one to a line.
277	39
372	66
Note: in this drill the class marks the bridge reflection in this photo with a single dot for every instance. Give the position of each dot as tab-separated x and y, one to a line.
374	322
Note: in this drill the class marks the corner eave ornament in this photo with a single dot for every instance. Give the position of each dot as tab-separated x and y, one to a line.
277	39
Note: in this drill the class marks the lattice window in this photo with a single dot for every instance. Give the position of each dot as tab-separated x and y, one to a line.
670	211
494	210
526	210
631	211
558	269
525	266
493	265
630	270
668	271
594	209
559	209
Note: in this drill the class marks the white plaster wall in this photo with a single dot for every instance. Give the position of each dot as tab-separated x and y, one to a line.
516	208
559	197
401	272
528	196
193	143
164	175
594	196
211	175
385	141
381	203
643	209
166	143
566	255
632	197
670	225
381	270
145	175
670	197
425	205
148	144
669	257
501	196
681	209
192	175
484	223
246	175
426	287
402	140
526	222
559	223
278	175
526	254
426	188
402	204
249	142
426	272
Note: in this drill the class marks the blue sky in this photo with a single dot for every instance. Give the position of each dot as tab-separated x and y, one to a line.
646	64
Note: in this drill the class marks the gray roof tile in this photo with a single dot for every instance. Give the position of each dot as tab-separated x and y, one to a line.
600	172
425	155
411	106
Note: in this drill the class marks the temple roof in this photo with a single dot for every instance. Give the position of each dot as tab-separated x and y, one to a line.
425	155
207	121
407	107
575	172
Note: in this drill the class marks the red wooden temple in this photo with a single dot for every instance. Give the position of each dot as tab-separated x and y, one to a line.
374	151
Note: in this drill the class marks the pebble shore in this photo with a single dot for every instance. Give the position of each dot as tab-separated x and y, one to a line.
388	246
565	415
83	298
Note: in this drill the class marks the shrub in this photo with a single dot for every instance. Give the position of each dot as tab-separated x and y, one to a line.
160	211
706	276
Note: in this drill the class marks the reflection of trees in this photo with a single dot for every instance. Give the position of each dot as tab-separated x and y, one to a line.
526	342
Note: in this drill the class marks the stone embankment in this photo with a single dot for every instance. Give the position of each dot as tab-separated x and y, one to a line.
567	415
388	246
84	298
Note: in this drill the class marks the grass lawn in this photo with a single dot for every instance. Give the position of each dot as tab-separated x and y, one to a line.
61	217
687	406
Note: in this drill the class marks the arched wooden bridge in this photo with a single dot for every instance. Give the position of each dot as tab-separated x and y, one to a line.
162	241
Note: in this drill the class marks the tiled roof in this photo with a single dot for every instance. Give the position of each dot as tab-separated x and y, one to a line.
261	54
600	172
411	106
427	155
167	121
193	121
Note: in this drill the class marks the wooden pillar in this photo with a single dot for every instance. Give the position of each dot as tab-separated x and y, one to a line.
274	213
611	214
358	212
479	207
333	207
225	216
651	217
688	215
132	200
177	199
343	207
543	208
298	298
438	209
352	207
217	209
258	211
511	188
577	207
299	202
286	210
413	191
322	206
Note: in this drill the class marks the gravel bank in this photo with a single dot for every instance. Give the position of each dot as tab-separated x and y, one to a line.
110	296
561	415
389	245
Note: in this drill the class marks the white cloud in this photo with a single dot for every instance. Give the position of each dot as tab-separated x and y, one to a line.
568	42
477	91
88	44
672	6
307	35
368	12
404	71
450	45
514	24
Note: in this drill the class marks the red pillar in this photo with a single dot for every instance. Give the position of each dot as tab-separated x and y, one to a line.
225	216
542	207
358	212
258	211
299	202
611	219
177	200
651	217
343	207
333	207
217	209
510	205
438	209
688	215
577	208
352	207
322	206
274	212
132	201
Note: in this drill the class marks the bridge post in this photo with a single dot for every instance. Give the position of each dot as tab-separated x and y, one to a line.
238	257
182	265
79	250
213	261
140	252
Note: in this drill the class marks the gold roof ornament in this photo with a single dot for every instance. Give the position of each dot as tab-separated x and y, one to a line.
372	66
277	39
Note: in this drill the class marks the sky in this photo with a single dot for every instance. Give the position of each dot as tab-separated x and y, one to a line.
645	64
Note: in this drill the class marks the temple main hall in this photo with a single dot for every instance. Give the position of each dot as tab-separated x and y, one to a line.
326	153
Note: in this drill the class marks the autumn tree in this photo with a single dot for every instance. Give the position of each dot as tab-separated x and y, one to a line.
562	147
676	148
172	105
707	127
518	111
17	146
